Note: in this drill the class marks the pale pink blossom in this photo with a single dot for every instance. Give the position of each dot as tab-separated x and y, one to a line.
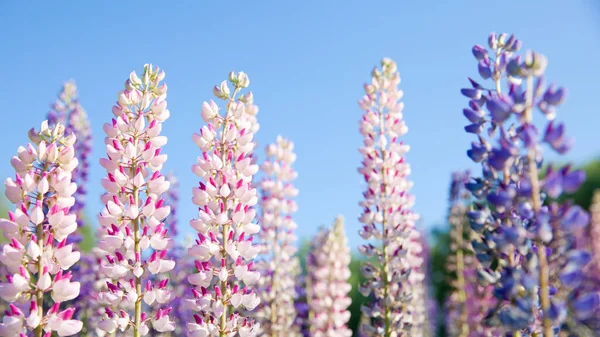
396	306
277	265
225	197
38	230
328	273
134	238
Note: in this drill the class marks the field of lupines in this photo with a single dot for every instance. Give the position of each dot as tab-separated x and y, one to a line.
525	260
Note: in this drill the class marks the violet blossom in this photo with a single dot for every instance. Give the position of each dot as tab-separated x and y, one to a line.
468	302
524	237
68	111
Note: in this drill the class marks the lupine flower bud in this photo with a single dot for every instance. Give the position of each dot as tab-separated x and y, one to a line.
387	215
328	270
224	250
37	257
135	240
277	266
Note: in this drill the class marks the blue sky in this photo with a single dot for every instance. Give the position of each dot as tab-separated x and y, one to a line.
307	61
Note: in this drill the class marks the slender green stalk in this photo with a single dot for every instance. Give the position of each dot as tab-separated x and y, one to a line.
536	203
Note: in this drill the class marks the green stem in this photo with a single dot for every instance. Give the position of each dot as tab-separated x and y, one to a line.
39	232
223	319
536	203
138	281
460	280
39	294
225	230
384	267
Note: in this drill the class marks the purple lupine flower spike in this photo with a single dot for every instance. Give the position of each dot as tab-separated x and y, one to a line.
301	322
68	111
468	303
524	242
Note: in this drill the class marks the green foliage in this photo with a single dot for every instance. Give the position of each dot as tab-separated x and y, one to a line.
583	197
440	277
89	236
3	213
355	280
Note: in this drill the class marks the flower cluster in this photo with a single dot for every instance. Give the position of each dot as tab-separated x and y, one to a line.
132	219
178	285
278	266
387	216
524	243
68	111
468	302
302	309
224	250
37	256
328	270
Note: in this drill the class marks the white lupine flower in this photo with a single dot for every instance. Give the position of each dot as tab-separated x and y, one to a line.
225	197
38	230
328	273
277	264
388	221
134	209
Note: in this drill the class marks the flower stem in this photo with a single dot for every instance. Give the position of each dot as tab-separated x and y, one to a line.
223	319
39	294
460	280
536	203
138	281
384	267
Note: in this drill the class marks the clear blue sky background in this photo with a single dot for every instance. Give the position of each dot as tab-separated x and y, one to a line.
307	61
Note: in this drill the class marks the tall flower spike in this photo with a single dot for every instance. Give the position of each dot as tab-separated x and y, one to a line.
328	269
525	234
468	302
68	111
278	266
132	219
37	256
388	222
225	197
